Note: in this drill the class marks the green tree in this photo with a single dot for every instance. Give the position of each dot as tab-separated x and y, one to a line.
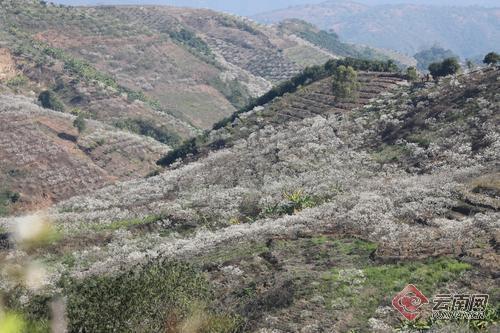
80	123
49	100
492	58
411	74
448	66
345	82
470	64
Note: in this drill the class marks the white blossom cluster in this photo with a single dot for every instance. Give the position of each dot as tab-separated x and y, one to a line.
404	204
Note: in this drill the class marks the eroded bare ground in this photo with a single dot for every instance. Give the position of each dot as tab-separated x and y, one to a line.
44	159
312	224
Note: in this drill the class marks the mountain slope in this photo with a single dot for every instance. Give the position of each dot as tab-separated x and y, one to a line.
467	31
300	217
162	72
188	67
45	160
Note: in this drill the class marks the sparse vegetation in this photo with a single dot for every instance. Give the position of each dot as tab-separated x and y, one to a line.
44	53
233	90
17	81
390	279
377	283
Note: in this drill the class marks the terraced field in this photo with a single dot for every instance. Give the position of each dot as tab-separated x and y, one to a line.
46	160
316	99
242	43
196	65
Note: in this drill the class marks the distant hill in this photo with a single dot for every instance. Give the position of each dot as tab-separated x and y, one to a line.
258	6
230	6
331	42
467	31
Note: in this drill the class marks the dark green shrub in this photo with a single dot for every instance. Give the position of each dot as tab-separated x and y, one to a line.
7	198
49	100
190	39
230	22
148	128
160	296
138	300
470	64
411	74
446	67
80	124
188	147
492	58
135	95
294	202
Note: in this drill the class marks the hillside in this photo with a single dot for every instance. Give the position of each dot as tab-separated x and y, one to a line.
407	28
183	69
331	42
45	159
315	203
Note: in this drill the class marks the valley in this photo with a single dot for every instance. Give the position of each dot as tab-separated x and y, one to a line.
182	170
